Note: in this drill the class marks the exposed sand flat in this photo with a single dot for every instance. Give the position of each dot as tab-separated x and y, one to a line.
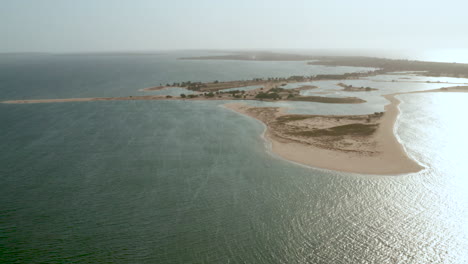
358	144
364	144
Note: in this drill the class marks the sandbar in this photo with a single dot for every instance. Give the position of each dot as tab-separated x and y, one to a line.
363	144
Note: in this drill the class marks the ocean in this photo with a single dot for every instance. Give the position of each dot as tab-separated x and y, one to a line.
193	182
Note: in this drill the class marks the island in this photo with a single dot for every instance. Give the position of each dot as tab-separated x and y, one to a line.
364	144
269	91
350	88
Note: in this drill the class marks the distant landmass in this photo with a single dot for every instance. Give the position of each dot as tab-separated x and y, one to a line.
385	65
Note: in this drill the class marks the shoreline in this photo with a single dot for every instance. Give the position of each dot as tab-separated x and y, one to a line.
361	144
391	157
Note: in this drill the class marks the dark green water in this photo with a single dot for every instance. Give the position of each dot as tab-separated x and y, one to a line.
192	182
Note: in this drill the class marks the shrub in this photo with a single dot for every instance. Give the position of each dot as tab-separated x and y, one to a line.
263	95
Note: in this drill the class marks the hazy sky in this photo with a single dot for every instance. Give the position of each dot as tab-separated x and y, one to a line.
124	25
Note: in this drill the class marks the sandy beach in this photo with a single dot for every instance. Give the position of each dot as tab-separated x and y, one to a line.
363	144
370	152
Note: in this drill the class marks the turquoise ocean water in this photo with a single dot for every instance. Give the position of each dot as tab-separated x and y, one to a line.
192	182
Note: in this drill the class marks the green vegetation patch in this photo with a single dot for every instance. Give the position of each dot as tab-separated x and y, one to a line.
344	130
289	118
277	90
328	100
263	95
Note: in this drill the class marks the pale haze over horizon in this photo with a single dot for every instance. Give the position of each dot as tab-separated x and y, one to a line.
123	25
